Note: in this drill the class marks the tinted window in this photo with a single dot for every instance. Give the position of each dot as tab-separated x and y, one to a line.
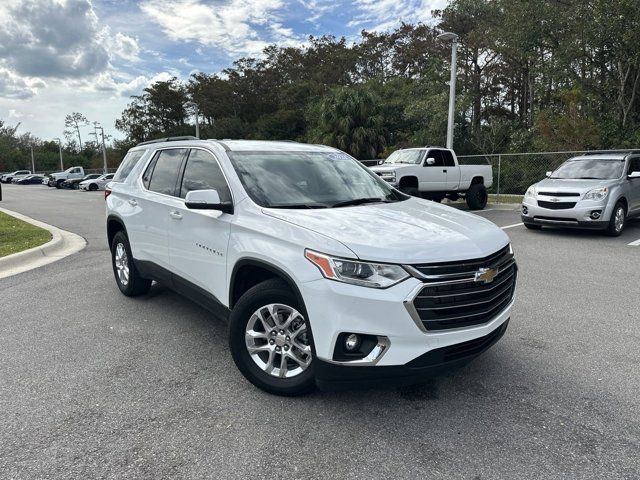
203	173
130	160
437	156
166	170
447	156
634	165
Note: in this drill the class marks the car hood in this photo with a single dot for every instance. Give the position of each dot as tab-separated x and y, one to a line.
411	231
571	185
391	167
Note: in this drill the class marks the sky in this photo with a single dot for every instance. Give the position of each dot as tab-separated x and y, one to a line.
90	56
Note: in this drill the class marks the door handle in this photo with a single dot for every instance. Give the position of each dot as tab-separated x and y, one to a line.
444	171
133	203
175	215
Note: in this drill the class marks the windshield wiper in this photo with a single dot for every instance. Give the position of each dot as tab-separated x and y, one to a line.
360	201
298	206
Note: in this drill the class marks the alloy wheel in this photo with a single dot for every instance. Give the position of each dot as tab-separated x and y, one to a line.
122	264
277	340
619	219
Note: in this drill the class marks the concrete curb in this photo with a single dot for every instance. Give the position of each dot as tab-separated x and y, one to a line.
62	244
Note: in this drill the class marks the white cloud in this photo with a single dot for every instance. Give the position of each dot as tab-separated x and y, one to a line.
381	15
125	47
15	86
231	25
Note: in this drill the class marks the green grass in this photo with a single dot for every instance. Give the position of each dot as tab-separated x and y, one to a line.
493	198
16	235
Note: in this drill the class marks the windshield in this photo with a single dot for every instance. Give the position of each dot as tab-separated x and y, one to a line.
590	169
309	180
405	156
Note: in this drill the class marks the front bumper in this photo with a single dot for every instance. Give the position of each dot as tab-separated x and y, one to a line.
576	217
334	308
339	377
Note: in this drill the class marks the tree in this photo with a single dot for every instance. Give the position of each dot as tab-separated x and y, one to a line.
72	123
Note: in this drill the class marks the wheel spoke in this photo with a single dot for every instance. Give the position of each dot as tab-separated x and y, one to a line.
258	349
269	366
253	335
283	366
304	363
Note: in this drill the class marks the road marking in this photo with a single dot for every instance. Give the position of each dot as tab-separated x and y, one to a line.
512	226
635	244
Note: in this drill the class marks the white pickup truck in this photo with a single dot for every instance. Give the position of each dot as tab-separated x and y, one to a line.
56	179
434	173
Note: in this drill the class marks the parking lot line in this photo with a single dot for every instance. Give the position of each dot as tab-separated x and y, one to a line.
635	244
512	226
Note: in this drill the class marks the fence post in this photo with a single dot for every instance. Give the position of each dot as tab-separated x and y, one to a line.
498	184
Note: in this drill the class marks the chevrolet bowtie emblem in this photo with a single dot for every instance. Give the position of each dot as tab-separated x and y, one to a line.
485	275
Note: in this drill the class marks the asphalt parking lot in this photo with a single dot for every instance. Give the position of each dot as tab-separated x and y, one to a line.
97	385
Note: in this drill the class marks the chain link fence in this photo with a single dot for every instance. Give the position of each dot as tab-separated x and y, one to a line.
513	173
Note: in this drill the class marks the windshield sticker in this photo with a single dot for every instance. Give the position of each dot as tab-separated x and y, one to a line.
339	156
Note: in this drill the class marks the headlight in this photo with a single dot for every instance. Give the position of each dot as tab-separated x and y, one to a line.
388	176
374	275
597	194
530	193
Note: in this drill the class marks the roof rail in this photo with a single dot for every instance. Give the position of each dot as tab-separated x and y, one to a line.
168	139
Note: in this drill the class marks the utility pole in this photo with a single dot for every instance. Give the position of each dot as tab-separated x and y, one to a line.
104	149
450	36
33	162
197	124
60	150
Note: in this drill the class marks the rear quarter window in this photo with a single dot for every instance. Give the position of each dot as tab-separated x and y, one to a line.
130	160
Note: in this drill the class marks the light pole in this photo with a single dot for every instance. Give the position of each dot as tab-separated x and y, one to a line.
453	38
33	162
60	150
197	123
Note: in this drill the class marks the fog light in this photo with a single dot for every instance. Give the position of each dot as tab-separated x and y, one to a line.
525	210
595	215
352	342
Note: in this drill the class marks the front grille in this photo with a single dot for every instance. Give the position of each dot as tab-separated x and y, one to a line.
452	298
559	194
556	205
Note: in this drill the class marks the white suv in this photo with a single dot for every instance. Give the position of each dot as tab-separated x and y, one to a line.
327	274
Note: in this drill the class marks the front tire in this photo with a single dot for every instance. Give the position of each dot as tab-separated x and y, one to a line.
617	220
270	340
59	183
127	277
477	196
93	187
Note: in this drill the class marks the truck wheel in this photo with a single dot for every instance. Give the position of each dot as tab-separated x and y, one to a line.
477	196
59	183
413	191
128	279
270	340
617	221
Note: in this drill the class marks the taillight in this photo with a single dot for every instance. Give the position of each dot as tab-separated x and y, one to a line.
107	192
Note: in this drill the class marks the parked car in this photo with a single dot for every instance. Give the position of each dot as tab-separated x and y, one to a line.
29	180
8	177
56	179
435	173
326	273
96	183
45	180
592	191
74	183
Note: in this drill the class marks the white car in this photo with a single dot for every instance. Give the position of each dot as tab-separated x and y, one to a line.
326	274
8	177
99	183
435	173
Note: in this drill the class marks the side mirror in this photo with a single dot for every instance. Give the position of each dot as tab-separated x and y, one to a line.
548	174
207	200
634	175
430	161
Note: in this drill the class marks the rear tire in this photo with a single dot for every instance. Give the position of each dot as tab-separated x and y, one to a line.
274	301
127	277
617	220
477	196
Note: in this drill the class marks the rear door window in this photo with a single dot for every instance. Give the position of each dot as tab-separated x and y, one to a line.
166	169
447	156
130	160
634	165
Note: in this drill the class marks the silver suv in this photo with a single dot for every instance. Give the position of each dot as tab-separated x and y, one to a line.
593	191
